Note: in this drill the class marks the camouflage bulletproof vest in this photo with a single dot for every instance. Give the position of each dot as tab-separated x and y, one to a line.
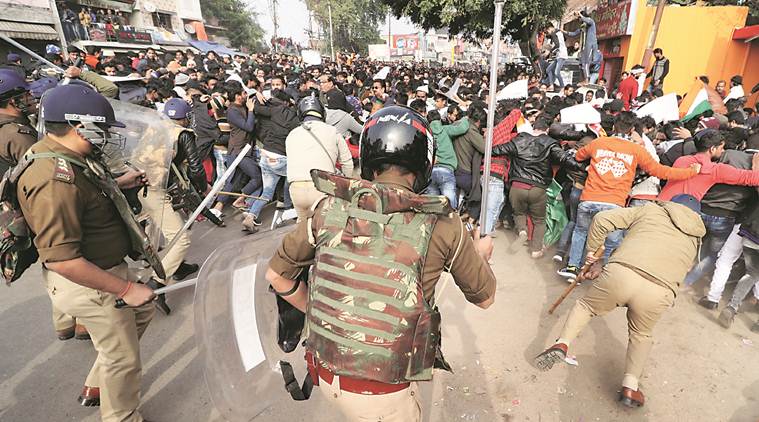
367	316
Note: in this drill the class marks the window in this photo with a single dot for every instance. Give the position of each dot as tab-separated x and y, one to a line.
162	20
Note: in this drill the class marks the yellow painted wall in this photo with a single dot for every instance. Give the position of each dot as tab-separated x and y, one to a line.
697	41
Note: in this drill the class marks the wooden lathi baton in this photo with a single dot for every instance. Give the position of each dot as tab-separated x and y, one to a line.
580	277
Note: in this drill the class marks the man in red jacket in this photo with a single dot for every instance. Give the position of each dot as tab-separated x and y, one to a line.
629	89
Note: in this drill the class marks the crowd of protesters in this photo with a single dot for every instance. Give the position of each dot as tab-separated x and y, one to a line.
541	166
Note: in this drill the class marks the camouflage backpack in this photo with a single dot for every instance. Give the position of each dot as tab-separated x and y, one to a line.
17	250
367	316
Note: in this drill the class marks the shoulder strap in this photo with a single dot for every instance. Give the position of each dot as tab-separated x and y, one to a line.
331	160
33	156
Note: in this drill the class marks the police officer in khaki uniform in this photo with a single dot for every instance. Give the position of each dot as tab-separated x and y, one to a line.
643	275
379	248
82	242
16	137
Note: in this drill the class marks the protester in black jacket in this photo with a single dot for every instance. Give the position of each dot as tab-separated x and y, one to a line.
530	174
205	126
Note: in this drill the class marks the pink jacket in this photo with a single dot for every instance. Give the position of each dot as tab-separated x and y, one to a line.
711	174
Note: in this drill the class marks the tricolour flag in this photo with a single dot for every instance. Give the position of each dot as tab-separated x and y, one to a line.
700	98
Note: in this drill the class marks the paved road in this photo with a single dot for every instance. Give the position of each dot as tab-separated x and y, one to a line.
697	370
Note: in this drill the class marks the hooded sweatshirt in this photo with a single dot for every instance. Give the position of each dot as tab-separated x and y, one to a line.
661	243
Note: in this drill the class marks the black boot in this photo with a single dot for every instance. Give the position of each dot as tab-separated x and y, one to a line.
160	301
185	270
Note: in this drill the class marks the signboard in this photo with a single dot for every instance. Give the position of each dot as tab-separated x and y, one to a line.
136	37
98	34
406	42
616	19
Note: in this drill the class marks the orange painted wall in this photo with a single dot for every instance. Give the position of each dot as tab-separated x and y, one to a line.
751	73
697	41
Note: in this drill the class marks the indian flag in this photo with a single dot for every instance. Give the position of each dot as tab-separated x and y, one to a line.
700	98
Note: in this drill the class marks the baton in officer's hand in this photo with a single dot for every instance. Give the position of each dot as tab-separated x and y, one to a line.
138	291
120	303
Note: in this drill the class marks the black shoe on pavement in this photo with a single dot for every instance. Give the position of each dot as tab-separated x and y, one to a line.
708	304
185	270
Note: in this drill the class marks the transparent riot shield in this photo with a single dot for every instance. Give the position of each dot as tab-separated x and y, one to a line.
236	329
149	142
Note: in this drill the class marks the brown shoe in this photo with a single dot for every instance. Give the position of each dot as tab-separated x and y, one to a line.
551	356
631	398
81	332
66	334
90	397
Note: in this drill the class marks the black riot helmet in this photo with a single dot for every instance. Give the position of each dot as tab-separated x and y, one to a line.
398	135
310	105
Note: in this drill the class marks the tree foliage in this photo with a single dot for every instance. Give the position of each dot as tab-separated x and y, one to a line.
355	22
244	32
474	18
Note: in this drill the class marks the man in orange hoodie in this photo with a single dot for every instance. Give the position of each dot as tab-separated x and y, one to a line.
613	163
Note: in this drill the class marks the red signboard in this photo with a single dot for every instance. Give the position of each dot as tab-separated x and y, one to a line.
137	37
615	19
406	42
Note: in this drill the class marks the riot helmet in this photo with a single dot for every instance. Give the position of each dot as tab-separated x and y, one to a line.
176	109
398	135
79	105
13	88
40	86
310	105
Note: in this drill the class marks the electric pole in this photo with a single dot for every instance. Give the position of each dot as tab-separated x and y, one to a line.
273	7
389	38
654	32
491	113
331	32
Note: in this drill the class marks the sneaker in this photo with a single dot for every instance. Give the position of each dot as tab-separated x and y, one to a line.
569	271
727	316
558	258
216	212
708	304
537	254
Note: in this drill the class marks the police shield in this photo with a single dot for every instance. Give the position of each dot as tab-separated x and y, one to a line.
236	329
149	140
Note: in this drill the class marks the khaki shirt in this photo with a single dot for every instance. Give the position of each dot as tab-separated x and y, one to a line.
70	216
304	152
470	272
16	137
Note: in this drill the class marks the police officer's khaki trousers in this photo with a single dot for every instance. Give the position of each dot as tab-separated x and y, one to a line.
401	406
304	195
115	333
620	286
158	206
61	321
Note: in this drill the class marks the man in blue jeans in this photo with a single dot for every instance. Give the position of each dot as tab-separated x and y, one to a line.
242	122
443	177
276	119
613	163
